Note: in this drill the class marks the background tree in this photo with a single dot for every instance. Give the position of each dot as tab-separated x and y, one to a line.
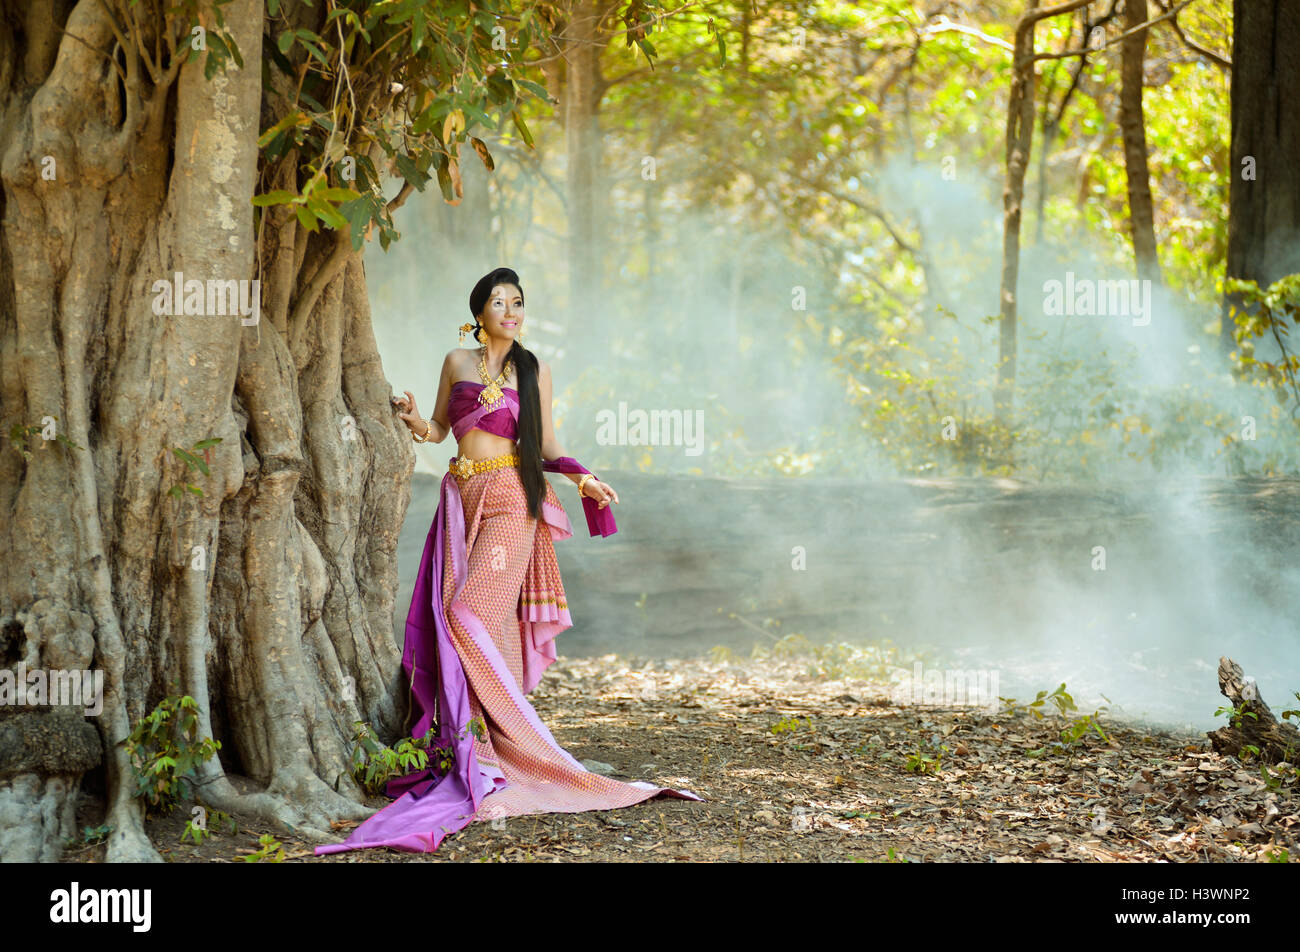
1264	197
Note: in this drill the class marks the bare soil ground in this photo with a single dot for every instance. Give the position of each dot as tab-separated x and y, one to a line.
796	765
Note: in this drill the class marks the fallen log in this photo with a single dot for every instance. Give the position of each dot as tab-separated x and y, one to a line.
1277	741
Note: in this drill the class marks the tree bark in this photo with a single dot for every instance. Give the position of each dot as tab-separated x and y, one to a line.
1019	142
1132	124
1264	189
265	598
1257	727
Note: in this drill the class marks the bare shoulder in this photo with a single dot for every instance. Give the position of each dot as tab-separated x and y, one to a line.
462	360
543	372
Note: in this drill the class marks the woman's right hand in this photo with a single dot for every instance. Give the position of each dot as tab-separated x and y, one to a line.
409	413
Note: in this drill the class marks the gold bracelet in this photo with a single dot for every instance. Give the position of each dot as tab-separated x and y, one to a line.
583	482
423	439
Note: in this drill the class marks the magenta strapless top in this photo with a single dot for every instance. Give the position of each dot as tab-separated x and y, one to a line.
466	413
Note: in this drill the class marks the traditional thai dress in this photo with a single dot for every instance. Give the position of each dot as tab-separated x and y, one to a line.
487	605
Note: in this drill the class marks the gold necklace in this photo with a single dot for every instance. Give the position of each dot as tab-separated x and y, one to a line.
491	393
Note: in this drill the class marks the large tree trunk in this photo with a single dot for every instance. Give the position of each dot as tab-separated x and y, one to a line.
1133	129
1264	190
264	599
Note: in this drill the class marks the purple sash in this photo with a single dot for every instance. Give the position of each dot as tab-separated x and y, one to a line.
599	521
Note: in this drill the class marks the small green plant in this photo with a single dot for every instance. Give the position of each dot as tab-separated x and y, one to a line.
208	821
921	762
1235	713
1064	703
790	725
1080	726
270	850
375	763
18	435
193	463
165	752
892	857
1279	854
1069	735
94	835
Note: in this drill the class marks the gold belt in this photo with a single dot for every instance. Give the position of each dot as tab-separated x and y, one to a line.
464	467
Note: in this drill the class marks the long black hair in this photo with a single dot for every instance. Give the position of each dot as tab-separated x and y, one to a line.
530	401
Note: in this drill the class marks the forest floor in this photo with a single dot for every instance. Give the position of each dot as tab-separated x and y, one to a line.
806	758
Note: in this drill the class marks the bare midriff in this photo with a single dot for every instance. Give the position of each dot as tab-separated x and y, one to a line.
478	444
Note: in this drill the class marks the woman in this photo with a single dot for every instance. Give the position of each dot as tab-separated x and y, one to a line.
488	600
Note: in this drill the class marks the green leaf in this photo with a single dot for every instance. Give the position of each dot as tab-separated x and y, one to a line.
358	214
335	194
295	118
284	42
326	212
234	50
315	51
535	88
523	129
410	172
306	218
477	113
277	197
418	27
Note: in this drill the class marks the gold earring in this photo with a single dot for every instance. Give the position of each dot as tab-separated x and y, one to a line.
465	329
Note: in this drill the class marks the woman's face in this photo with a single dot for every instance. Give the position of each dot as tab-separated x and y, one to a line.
503	315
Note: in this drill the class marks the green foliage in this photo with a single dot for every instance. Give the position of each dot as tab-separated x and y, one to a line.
1235	713
1073	732
213	820
193	463
926	763
19	434
789	725
1273	311
165	752
375	763
270	850
407	80
94	835
1059	698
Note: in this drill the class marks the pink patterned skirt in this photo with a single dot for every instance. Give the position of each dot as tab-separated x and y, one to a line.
500	603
